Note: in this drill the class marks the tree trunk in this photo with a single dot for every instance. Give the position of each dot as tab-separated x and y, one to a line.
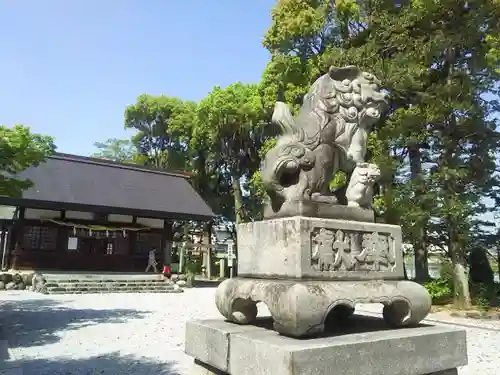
388	193
421	257
461	295
238	199
238	216
498	262
461	292
419	236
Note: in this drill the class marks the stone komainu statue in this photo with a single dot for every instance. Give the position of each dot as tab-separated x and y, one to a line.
328	135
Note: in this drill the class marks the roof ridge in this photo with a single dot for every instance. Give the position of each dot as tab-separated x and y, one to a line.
115	164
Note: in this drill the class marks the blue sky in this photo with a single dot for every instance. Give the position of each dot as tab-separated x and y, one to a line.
69	68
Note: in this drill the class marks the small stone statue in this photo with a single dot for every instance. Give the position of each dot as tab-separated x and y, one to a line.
360	189
328	135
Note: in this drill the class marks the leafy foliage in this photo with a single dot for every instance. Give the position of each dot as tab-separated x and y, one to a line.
163	126
437	146
19	150
119	150
230	121
440	290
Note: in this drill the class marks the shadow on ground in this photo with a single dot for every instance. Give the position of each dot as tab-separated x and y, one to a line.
341	325
206	283
110	364
38	321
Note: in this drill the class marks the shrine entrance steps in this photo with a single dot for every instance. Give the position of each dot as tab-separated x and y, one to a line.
109	282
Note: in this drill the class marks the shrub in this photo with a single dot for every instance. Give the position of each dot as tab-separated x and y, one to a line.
446	271
480	271
484	295
193	266
440	290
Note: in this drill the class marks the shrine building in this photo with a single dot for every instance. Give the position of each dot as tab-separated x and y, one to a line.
88	214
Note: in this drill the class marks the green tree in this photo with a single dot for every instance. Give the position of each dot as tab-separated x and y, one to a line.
120	150
19	150
461	137
437	137
212	182
163	125
255	187
169	135
230	120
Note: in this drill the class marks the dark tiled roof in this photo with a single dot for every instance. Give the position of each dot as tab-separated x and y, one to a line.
77	182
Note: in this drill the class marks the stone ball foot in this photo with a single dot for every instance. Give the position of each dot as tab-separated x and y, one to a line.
300	308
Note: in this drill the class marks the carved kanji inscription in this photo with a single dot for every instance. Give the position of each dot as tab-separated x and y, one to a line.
343	250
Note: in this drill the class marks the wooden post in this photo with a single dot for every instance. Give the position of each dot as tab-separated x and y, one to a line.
3	243
61	244
181	256
168	238
185	245
209	252
222	268
131	243
230	259
204	262
18	239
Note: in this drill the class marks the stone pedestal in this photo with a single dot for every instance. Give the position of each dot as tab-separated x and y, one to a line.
317	255
304	268
311	272
322	249
301	308
363	347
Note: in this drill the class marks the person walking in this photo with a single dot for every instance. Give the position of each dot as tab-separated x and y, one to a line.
152	261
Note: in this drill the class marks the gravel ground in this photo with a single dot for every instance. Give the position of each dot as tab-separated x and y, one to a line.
143	334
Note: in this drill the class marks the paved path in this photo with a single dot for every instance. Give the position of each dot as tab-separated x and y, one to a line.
143	334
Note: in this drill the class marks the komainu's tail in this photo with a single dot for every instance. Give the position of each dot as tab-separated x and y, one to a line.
283	118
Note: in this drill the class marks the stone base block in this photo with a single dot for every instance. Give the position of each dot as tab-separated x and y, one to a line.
301	308
361	349
319	209
322	249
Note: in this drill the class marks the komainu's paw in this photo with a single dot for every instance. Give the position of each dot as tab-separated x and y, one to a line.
318	197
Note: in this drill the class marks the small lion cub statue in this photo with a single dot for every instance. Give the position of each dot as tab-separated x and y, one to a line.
360	189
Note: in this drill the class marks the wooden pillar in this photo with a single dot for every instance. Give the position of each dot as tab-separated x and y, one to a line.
208	251
182	249
205	252
62	235
222	268
61	260
3	243
17	240
167	241
132	240
9	244
181	256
